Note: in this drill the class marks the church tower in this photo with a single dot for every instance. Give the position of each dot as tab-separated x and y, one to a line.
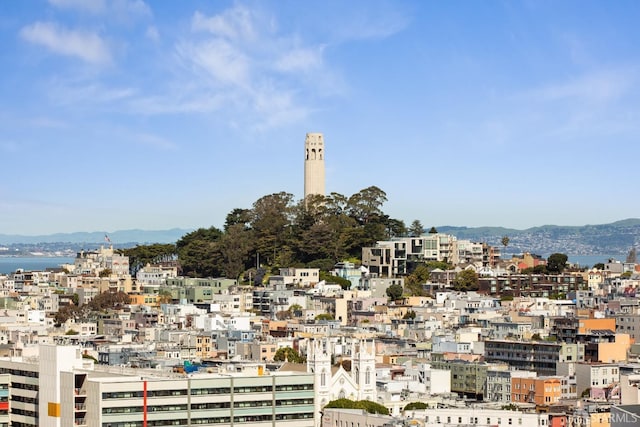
319	363
314	164
363	368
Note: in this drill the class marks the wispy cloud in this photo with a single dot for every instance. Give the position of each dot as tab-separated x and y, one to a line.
240	63
303	59
46	123
237	23
222	62
600	86
119	9
85	45
92	6
376	21
71	92
240	56
154	141
152	33
177	103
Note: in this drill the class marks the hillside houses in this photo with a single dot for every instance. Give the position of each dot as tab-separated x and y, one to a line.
551	348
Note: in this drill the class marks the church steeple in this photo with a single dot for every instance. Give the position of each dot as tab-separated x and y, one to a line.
319	362
363	368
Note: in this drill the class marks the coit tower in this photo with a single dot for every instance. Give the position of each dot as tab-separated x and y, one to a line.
313	164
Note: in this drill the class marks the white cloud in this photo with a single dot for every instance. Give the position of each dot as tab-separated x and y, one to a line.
131	7
92	6
379	20
46	122
201	102
221	61
78	92
277	108
154	141
238	57
152	33
596	87
88	46
117	8
235	23
300	60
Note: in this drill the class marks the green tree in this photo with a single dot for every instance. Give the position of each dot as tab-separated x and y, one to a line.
415	405
324	264
466	280
316	242
433	230
366	205
416	229
367	405
556	263
394	227
394	292
599	266
344	283
505	242
324	316
538	269
65	313
240	217
271	223
109	300
142	255
236	248
295	310
414	281
165	296
421	275
288	354
200	253
409	315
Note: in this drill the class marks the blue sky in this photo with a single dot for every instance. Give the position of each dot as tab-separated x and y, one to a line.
121	114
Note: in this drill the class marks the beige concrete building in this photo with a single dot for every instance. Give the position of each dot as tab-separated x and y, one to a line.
314	164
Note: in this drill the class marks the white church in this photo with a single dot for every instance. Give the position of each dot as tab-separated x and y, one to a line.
334	382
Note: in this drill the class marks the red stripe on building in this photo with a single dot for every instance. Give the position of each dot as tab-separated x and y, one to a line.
144	404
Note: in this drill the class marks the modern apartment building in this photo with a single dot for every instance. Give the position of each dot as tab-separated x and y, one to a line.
399	256
539	356
468	378
530	285
59	388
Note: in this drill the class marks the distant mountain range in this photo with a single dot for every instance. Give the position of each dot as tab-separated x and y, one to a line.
98	237
616	238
